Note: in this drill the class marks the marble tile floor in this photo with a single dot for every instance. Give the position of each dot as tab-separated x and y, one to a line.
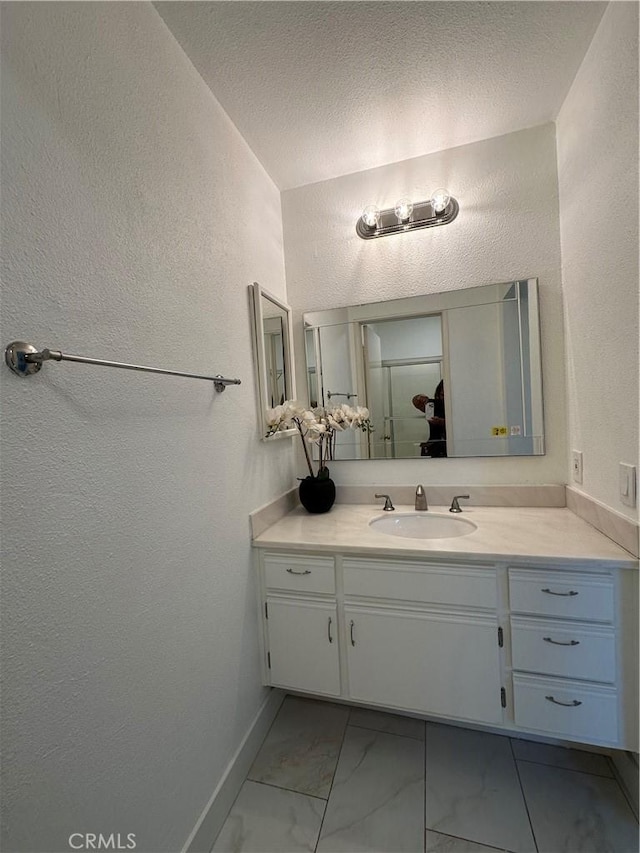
334	779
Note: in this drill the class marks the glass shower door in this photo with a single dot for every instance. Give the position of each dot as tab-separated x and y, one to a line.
406	425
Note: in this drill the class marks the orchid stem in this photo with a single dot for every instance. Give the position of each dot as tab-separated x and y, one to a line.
304	447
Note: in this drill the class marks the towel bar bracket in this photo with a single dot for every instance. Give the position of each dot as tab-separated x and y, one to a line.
17	356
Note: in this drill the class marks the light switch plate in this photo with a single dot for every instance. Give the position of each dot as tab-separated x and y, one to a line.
576	465
627	484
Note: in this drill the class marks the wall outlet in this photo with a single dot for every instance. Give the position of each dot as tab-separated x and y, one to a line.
576	465
627	484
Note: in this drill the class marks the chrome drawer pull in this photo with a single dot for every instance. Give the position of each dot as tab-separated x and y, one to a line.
306	572
351	624
329	630
571	592
573	704
561	643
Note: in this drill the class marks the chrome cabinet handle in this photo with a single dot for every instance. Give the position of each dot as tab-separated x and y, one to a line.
551	592
306	572
573	704
561	643
329	630
351	624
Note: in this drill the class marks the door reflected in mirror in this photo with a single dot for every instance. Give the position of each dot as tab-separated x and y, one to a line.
444	375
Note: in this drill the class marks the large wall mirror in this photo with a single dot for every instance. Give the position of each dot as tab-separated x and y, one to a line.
273	348
446	374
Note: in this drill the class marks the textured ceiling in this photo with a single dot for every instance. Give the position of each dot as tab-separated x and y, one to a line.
322	89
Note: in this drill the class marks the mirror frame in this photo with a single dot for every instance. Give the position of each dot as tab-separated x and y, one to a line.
257	293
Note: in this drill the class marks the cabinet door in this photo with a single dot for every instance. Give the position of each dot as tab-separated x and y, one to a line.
434	663
303	646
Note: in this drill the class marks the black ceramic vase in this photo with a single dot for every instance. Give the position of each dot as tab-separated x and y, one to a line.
317	494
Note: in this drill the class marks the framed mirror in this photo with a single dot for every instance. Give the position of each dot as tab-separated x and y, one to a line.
449	374
273	350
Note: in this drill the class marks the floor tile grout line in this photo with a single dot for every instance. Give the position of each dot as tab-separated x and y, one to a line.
470	840
283	788
627	799
385	732
626	794
524	796
560	767
344	734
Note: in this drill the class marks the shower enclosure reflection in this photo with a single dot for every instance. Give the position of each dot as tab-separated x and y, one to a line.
482	343
402	358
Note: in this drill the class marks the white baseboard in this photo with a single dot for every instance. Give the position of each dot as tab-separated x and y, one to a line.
625	765
210	822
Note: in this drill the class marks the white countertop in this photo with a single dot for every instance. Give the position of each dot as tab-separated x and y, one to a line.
521	534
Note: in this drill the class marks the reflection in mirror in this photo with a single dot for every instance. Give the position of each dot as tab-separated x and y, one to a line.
274	358
273	353
448	374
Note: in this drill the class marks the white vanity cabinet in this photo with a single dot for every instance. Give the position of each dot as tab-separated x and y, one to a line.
303	645
441	664
408	635
423	637
300	622
542	649
563	644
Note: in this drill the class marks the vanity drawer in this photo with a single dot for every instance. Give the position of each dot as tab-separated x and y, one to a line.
465	586
556	648
299	572
589	712
564	594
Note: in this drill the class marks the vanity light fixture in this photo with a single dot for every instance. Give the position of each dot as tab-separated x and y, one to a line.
441	209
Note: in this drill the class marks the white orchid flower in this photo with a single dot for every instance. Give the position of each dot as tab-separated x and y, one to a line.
274	416
337	414
317	428
292	409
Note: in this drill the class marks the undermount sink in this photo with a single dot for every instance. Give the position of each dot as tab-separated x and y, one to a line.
422	525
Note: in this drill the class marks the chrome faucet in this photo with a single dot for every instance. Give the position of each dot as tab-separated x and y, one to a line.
455	506
421	499
388	506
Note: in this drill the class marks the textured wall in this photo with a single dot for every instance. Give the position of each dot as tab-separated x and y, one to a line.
130	657
597	133
507	229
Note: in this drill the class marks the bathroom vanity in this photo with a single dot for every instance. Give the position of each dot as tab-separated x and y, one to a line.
529	624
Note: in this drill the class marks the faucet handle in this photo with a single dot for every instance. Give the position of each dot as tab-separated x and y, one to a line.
388	506
455	506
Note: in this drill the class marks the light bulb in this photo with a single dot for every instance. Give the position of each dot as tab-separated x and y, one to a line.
371	216
404	209
440	199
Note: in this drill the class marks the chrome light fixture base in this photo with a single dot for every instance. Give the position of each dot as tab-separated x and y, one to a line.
422	216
